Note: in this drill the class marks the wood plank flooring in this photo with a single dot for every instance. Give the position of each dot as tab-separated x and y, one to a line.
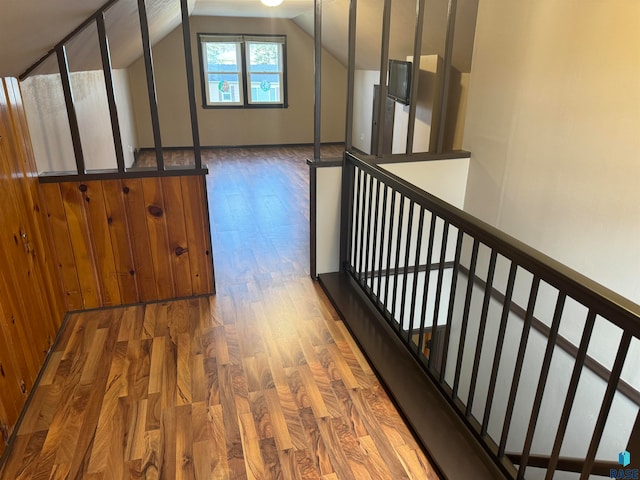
261	381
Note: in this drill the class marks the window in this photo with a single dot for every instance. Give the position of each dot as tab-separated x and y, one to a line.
243	70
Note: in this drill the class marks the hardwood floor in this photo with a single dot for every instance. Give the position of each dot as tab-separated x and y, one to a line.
261	381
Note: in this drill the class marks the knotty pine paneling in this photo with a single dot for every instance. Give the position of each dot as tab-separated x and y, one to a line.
125	241
32	302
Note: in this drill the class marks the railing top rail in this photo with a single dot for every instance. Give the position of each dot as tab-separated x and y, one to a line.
614	307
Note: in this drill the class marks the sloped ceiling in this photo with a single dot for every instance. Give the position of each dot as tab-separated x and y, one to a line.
335	23
30	28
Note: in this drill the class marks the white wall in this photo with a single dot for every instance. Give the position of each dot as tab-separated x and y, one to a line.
363	108
125	115
425	103
49	124
553	124
328	219
239	126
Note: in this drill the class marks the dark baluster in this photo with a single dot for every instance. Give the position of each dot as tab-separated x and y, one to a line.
465	316
356	222
382	244
405	270
506	308
571	394
436	307
369	237
425	294
517	371
544	373
374	292
396	270
609	395
416	274
452	300
483	323
389	245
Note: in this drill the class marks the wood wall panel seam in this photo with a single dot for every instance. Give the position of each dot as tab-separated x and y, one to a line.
31	295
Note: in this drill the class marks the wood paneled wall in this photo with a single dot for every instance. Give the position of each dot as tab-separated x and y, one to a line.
126	241
32	304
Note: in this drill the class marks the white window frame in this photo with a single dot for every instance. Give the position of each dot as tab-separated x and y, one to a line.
243	43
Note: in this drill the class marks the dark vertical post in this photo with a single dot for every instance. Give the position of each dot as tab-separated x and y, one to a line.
376	217
151	82
368	238
346	211
317	58
571	394
405	269
351	72
382	244
384	67
607	401
188	60
452	302
416	273
415	75
396	269
111	97
313	211
506	309
488	287
63	65
446	73
544	373
427	278
517	370
465	315
436	307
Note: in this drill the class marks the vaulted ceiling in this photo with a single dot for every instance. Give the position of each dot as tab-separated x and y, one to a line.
30	28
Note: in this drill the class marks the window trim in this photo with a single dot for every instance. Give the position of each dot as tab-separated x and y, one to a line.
244	72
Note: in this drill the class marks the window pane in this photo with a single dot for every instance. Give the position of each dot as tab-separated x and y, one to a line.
264	57
224	88
222	57
265	87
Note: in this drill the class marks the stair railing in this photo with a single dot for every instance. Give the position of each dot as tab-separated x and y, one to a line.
536	359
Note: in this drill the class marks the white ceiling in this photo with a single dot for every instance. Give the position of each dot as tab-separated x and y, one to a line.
30	28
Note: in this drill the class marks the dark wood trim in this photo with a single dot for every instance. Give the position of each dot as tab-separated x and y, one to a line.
437	427
565	464
78	29
65	77
25	407
188	61
591	363
317	76
209	235
351	71
324	162
222	147
384	68
446	75
415	75
59	177
111	97
410	269
313	216
151	82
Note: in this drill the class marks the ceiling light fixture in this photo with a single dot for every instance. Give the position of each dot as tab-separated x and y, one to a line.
271	3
